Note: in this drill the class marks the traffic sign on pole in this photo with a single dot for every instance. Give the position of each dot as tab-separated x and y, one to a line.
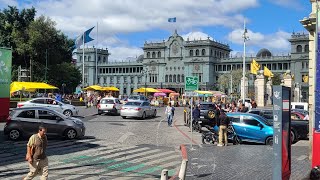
191	83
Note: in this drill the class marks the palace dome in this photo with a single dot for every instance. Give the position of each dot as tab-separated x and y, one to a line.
264	53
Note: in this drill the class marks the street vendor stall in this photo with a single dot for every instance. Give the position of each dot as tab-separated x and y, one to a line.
29	86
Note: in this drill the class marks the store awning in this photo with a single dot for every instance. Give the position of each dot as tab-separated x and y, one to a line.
217	93
29	86
147	90
112	88
203	92
166	90
159	94
93	88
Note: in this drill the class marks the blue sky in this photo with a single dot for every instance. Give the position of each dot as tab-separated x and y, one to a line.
125	25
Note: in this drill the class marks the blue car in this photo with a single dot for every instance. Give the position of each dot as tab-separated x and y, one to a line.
251	127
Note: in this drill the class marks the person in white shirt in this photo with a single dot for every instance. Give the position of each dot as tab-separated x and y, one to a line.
169	112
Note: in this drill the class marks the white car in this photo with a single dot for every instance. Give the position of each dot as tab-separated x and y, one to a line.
66	109
109	105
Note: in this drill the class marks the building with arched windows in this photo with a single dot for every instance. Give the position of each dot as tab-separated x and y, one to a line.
166	64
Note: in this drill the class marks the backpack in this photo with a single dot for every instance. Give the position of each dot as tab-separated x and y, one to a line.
172	110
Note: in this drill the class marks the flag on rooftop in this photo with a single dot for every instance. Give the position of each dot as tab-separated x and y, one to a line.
79	41
174	19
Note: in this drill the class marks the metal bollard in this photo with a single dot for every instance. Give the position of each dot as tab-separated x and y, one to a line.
164	174
183	169
185	116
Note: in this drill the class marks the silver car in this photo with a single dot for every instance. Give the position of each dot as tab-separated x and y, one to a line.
138	109
23	122
66	109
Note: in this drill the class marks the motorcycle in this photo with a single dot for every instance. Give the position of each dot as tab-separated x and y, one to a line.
196	125
212	136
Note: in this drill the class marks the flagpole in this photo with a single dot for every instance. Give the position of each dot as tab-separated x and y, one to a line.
83	59
97	57
244	61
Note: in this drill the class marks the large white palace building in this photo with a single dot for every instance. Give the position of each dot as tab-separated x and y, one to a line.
165	64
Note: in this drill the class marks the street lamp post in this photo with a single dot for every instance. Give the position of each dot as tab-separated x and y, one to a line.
245	38
63	85
145	72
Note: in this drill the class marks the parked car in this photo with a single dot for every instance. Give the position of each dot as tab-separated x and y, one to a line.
24	121
66	109
138	109
251	127
207	110
137	98
299	128
109	105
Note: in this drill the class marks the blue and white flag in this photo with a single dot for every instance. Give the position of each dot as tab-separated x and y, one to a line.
174	19
79	41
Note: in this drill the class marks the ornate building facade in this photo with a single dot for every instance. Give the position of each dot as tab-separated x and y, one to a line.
165	64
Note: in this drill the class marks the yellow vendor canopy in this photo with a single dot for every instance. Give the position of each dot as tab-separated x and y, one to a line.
94	88
203	92
112	88
148	90
29	86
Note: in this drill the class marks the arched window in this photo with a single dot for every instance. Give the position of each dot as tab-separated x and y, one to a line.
306	48
203	52
85	58
197	52
219	54
153	55
89	58
299	48
170	78
211	52
174	78
104	59
182	78
191	53
159	54
178	78
166	78
148	54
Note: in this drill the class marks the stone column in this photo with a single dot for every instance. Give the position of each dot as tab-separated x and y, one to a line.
287	81
297	92
269	90
245	87
259	85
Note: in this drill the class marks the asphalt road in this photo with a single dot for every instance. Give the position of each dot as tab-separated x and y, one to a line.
116	148
113	148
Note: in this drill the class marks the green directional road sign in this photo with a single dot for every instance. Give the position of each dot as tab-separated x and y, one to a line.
191	83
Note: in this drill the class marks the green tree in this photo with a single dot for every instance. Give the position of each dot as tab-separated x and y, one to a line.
64	73
32	40
276	80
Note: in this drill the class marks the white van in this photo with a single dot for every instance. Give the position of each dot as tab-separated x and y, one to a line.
300	105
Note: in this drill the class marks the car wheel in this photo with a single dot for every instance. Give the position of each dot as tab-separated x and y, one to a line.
269	141
124	117
211	114
67	113
155	113
14	134
71	134
143	115
99	112
293	136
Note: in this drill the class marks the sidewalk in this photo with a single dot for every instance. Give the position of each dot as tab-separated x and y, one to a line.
245	161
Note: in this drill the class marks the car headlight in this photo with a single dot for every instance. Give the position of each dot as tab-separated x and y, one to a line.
78	122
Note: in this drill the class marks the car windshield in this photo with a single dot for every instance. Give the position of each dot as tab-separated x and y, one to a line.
133	104
134	97
206	106
268	122
107	101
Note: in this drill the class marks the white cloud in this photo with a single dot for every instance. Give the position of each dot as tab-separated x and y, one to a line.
277	41
123	53
197	35
288	3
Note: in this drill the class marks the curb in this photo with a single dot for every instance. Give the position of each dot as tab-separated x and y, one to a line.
184	134
184	155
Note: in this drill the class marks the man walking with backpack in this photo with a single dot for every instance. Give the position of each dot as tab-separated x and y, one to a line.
223	123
